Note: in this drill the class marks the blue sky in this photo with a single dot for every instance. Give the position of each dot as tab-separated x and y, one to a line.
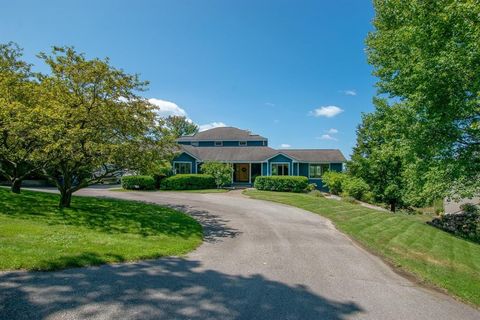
293	71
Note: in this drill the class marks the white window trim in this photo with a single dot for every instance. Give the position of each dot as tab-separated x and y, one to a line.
190	163
220	143
287	163
321	173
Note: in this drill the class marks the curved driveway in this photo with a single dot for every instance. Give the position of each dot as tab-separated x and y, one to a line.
260	260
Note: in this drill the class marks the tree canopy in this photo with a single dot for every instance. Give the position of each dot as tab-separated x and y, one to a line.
426	55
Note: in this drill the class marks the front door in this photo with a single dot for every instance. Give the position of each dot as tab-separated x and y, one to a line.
242	172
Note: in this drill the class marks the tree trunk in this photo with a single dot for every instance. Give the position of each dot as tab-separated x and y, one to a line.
16	185
65	199
392	207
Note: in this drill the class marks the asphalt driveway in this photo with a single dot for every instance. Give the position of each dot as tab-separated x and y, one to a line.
260	260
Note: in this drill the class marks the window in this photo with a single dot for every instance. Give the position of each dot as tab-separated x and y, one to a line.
218	143
183	167
242	143
279	169
264	142
316	170
195	144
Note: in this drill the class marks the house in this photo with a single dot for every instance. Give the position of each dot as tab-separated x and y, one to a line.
251	156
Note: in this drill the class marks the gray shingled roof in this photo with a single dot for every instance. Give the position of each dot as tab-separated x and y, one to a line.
315	155
231	154
223	134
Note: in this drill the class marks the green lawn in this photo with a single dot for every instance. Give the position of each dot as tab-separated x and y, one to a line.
432	255
36	235
189	191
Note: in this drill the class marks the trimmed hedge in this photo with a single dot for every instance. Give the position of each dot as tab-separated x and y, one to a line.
281	183
138	183
188	182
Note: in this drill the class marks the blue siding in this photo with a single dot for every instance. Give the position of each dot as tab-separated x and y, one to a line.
280	158
258	143
264	169
206	144
183	157
336	167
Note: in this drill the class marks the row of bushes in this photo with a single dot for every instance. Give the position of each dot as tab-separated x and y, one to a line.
177	182
342	184
282	183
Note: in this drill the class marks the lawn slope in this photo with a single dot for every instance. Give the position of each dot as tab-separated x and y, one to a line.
432	255
36	235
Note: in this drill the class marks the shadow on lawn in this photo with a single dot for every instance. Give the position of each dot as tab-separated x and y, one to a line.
161	289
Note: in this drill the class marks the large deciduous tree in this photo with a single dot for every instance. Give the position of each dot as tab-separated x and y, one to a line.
20	122
98	125
181	126
426	55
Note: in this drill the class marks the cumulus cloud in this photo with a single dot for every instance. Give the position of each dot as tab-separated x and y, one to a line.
326	111
167	108
211	125
332	131
349	92
327	137
285	145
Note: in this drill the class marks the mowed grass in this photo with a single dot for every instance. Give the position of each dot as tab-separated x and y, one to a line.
432	255
36	235
188	191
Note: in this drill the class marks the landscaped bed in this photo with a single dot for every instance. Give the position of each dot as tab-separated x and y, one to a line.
432	255
36	235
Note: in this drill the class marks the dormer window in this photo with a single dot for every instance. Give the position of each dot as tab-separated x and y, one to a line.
242	143
195	144
218	143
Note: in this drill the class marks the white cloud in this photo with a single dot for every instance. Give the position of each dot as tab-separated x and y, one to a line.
211	125
167	108
326	111
327	137
269	104
332	131
285	145
350	92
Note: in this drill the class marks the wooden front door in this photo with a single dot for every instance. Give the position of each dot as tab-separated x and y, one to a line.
242	172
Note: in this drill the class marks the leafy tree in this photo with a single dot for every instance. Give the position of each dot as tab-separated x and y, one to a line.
380	155
20	122
221	172
427	55
97	124
181	126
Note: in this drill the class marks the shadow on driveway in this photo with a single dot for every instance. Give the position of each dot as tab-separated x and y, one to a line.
170	288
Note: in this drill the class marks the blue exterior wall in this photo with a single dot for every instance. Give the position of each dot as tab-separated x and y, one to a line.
280	158
258	143
264	169
336	167
183	157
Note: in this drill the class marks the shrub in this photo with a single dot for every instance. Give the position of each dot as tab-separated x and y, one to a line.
465	224
333	180
369	197
349	199
282	183
221	172
138	183
311	187
188	182
354	187
316	193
